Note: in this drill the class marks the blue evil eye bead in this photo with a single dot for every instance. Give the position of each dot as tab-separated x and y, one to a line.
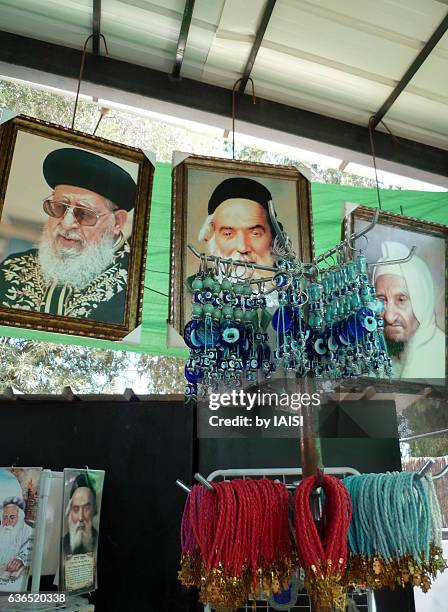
250	303
261	301
281	280
217	302
227	298
207	334
369	323
319	346
342	335
207	296
223	365
282	319
332	338
190	390
197	297
189	334
230	335
193	376
253	364
281	263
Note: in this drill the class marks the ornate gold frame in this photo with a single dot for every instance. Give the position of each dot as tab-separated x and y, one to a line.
411	224
179	214
137	259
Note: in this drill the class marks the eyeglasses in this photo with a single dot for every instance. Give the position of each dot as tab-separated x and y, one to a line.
82	215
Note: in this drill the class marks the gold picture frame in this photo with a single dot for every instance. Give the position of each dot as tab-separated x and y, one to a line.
24	145
198	176
431	242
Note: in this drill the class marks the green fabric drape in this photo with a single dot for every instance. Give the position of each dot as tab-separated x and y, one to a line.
327	213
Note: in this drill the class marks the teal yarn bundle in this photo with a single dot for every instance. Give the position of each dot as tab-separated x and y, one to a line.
395	534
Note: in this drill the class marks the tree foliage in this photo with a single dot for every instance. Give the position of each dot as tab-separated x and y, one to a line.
38	367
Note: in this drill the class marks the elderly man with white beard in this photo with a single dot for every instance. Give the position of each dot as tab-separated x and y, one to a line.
15	540
82	536
80	267
415	343
238	226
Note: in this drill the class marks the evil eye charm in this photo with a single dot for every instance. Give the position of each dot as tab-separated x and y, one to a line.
227	299
319	346
281	280
197	297
223	365
369	323
206	335
190	391
253	364
230	335
189	334
207	297
193	376
282	319
332	341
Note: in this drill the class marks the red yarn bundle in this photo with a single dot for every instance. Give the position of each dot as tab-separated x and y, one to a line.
323	557
236	540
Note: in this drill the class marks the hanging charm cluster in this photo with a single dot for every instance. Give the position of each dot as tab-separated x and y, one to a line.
325	323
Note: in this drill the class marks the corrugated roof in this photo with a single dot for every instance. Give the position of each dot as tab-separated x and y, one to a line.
340	58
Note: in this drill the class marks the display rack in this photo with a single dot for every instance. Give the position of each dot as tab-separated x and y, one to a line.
363	601
72	603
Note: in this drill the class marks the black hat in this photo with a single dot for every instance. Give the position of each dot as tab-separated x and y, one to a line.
239	188
82	480
89	171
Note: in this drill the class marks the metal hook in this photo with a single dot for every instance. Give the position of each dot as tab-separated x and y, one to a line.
203	481
441	473
391	262
81	72
425	468
183	486
237	82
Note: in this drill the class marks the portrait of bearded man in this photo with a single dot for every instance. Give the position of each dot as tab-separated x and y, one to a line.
16	538
82	536
238	225
80	267
415	343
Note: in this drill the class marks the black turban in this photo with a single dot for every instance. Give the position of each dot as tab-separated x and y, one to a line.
239	188
83	169
83	480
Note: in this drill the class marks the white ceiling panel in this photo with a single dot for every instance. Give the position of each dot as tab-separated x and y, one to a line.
340	58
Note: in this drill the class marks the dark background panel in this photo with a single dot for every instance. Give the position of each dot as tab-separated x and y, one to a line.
362	435
143	447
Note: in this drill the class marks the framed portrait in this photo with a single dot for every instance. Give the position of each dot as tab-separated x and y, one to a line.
414	292
19	498
81	508
74	217
221	207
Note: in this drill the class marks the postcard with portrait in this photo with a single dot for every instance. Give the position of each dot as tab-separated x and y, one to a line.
412	287
222	208
19	499
83	491
74	217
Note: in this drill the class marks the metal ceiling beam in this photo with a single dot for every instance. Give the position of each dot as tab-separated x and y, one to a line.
412	70
183	36
257	43
96	26
130	78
